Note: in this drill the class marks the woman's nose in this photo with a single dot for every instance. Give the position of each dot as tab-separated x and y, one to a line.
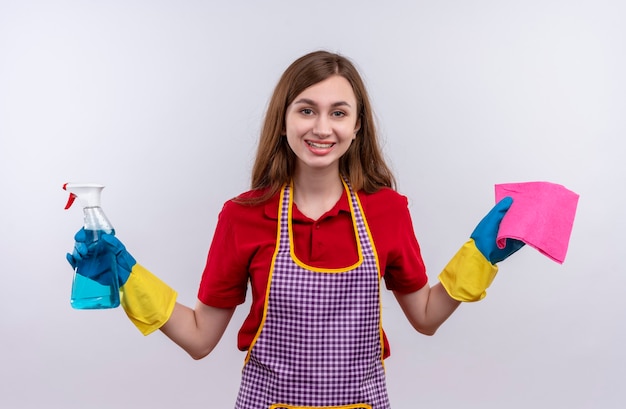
322	127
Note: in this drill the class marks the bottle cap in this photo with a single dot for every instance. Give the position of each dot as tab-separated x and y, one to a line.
87	193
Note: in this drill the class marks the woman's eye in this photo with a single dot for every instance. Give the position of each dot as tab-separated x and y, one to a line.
339	114
307	111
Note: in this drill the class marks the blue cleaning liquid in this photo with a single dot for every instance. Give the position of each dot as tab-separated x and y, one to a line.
95	283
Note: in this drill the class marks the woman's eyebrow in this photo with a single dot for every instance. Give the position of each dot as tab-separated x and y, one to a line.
313	103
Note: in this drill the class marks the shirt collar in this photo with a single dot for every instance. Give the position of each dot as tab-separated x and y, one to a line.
342	205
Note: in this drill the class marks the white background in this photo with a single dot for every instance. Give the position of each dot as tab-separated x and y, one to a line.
162	102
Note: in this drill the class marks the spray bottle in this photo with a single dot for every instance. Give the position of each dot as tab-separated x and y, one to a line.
95	284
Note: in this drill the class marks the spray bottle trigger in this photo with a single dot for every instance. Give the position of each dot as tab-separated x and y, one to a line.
70	201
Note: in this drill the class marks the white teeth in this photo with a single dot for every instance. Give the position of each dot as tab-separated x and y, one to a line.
320	145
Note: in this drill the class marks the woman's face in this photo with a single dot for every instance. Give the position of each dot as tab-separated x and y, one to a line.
321	123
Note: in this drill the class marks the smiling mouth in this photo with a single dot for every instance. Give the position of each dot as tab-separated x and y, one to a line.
320	145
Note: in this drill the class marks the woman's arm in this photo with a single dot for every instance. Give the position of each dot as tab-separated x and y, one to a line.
198	330
465	278
427	308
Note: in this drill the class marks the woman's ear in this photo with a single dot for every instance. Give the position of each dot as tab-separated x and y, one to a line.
357	128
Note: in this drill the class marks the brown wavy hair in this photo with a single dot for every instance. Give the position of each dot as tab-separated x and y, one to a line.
363	164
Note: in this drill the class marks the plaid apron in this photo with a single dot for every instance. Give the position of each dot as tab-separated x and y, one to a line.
320	341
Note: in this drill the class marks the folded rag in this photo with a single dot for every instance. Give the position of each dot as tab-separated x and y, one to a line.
542	216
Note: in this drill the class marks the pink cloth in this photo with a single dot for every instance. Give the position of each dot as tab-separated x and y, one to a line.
542	216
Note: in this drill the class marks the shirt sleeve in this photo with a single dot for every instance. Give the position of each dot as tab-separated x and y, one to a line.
405	271
399	251
225	277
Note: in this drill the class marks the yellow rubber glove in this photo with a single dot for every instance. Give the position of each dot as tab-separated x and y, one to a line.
471	271
468	274
147	300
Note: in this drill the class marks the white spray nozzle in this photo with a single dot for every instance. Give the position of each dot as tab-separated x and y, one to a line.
87	193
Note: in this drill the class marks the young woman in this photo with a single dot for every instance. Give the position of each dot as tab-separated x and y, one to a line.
320	228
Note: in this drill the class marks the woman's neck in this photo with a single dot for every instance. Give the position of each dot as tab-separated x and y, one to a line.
316	193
